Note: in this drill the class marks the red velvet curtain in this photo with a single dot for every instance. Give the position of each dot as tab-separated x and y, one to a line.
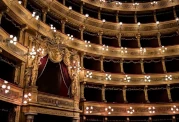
43	63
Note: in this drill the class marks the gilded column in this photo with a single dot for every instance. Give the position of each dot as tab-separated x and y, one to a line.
150	119
158	38
173	119
146	94
44	15
119	39
121	65
101	63
117	16
124	94
169	93
22	74
81	8
82	95
174	12
135	17
163	65
100	37
29	118
99	13
64	2
142	66
21	34
138	39
63	25
25	3
81	32
155	17
103	93
81	60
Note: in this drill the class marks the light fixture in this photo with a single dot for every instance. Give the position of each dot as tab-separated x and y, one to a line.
130	110
151	110
120	23
138	23
5	87
168	77
157	22
154	3
13	39
147	78
105	47
102	1
89	110
123	50
86	15
75	65
118	3
35	52
27	98
70	37
142	50
70	7
35	16
109	109
127	78
135	4
89	74
163	49
87	43
103	20
174	109
108	77
53	28
20	2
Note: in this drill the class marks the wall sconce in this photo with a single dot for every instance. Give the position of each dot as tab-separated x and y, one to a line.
5	87
147	78
101	1
151	110
138	24
89	74
168	77
103	20
127	78
53	28
130	110
70	37
105	47
70	7
123	50
154	3
35	16
13	39
108	77
86	15
109	109
20	2
135	4
35	52
174	109
142	50
27	98
76	67
89	110
118	3
87	43
163	49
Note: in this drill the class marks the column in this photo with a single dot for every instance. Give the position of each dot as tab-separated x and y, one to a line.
138	39
63	25
146	94
81	59
21	78
155	17
169	93
173	119
103	93
119	39
101	64
174	12
121	65
124	94
82	89
100	37
29	118
135	17
81	8
21	34
150	119
158	38
117	16
99	13
25	3
142	66
64	2
81	32
163	65
44	15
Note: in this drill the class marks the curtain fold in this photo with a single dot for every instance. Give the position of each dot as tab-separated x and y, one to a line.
43	63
